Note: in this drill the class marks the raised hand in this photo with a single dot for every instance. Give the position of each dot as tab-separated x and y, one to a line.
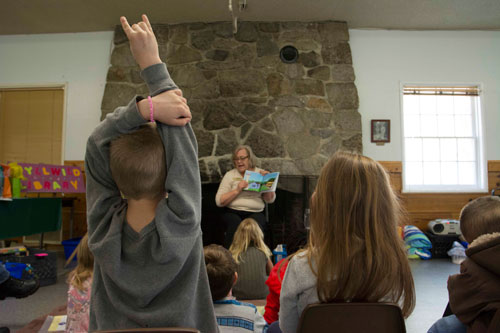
143	42
169	108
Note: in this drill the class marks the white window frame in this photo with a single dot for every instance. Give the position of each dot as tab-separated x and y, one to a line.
478	128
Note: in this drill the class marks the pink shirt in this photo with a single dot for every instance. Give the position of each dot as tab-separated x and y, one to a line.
78	308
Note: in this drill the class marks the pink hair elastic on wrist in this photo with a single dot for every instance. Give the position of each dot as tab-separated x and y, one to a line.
151	110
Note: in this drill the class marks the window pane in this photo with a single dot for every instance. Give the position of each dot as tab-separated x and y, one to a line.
449	173
411	103
441	140
445	105
466	173
413	150
430	149
428	104
413	173
432	173
446	125
466	150
428	125
463	126
462	104
412	126
448	149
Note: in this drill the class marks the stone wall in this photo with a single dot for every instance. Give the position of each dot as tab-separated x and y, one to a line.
294	116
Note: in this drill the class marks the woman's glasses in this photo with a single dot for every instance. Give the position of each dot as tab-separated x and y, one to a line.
241	158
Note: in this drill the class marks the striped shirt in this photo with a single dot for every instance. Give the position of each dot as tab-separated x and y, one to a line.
238	317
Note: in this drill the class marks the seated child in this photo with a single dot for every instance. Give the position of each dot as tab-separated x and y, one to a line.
252	256
80	281
295	242
232	315
475	292
149	269
274	282
354	252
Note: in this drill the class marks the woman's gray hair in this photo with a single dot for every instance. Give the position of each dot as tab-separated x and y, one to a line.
251	157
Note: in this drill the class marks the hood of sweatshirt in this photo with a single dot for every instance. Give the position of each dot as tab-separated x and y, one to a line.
475	292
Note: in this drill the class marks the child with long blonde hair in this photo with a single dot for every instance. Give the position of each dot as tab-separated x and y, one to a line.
252	256
354	252
80	282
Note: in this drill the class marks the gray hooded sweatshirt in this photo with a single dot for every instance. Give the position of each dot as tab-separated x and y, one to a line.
157	277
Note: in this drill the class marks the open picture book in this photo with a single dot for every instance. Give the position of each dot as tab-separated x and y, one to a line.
259	183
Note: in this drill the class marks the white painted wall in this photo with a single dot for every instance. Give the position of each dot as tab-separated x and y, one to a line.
382	59
79	60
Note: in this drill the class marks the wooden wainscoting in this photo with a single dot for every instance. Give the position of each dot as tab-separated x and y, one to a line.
420	207
424	207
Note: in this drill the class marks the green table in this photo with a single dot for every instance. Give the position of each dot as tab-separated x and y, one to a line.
28	216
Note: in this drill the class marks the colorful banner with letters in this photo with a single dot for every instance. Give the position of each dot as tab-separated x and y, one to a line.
52	178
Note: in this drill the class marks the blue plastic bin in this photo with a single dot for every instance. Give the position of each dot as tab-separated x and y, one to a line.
41	263
15	269
69	246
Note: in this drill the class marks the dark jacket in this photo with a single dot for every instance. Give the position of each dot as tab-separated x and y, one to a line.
475	292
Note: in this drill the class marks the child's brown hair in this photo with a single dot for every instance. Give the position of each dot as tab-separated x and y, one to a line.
220	270
85	266
138	165
353	241
480	216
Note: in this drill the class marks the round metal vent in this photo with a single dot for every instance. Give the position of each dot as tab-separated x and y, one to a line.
289	54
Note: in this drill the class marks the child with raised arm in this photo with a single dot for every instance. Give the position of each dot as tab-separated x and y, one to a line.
149	267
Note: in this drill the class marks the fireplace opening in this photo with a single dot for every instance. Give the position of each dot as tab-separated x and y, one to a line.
287	216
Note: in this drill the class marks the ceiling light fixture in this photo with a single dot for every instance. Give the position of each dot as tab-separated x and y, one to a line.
242	5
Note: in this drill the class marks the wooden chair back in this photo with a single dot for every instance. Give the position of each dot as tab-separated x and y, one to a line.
156	330
352	317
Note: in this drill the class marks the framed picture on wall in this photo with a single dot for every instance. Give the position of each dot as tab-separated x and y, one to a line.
381	130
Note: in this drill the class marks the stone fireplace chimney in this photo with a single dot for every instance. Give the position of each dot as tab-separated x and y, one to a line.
294	114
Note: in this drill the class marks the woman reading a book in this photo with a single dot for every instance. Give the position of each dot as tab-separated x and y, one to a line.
239	204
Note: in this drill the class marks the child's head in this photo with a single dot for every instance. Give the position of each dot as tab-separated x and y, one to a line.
85	265
353	235
353	200
221	269
480	216
248	234
138	164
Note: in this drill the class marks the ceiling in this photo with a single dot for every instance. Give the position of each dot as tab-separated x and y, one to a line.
58	16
